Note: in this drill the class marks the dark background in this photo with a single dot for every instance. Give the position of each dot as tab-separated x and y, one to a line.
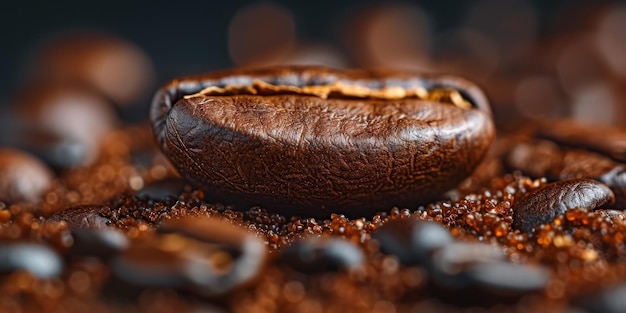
187	37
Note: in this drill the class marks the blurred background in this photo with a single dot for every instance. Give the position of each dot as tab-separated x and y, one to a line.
534	58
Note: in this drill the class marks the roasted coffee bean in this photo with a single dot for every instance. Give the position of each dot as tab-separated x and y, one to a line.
607	300
312	141
208	256
118	69
540	158
448	265
312	255
64	123
537	159
509	279
411	239
610	141
83	216
100	243
150	265
543	205
227	256
162	189
23	178
37	259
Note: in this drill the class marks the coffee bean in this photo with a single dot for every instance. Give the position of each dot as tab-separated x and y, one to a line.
543	205
150	265
607	300
100	243
162	189
313	255
539	158
206	256
64	123
23	178
236	259
504	278
320	140
111	65
448	265
83	216
39	260
606	140
411	239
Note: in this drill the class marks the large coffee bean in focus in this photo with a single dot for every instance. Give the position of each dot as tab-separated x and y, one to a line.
312	140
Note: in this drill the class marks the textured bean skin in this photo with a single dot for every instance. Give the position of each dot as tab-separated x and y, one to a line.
543	205
305	154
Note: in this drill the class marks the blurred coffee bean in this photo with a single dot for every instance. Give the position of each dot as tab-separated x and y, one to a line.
227	256
150	264
367	41
63	123
23	178
507	279
537	159
494	18
608	300
542	158
411	239
613	214
100	243
606	140
610	38
162	189
544	204
117	68
39	260
449	264
208	256
83	216
314	255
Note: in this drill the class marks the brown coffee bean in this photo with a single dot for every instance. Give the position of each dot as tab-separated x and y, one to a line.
113	66
540	158
510	279
314	255
606	300
216	257
448	264
411	240
537	159
37	259
313	140
83	216
100	243
23	178
64	123
610	141
543	205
